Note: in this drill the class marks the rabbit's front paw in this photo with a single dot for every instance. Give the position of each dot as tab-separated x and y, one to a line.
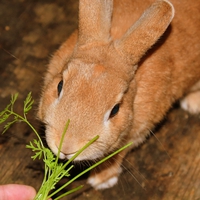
104	179
98	185
191	102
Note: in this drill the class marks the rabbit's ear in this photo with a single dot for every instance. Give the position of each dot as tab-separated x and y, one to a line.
146	31
94	21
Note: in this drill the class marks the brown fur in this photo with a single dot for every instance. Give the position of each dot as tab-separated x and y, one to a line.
101	70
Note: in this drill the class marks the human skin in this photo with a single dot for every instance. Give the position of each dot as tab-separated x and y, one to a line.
17	192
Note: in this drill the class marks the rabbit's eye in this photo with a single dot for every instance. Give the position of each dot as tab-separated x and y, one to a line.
115	110
59	87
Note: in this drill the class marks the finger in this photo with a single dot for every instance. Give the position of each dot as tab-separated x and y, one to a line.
17	192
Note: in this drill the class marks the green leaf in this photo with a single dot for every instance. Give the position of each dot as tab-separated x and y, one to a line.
37	155
54	171
4	111
50	159
4	118
8	125
28	103
12	101
14	98
36	147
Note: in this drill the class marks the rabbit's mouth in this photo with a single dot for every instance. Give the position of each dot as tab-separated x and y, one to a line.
67	156
55	150
80	157
62	155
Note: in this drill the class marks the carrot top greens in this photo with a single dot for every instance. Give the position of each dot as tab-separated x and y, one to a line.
54	171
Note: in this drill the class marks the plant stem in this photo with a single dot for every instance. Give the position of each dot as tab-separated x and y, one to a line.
90	168
69	192
36	133
61	141
79	152
30	125
53	173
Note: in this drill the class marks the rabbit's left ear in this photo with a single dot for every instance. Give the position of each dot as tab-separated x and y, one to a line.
146	31
94	21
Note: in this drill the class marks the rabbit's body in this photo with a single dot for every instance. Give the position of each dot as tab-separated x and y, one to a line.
105	92
173	64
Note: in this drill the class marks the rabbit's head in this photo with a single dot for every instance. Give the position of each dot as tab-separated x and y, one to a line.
94	85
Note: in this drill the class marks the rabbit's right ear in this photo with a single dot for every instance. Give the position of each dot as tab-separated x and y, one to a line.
145	32
94	21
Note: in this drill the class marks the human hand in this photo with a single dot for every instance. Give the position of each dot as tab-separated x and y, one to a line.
16	192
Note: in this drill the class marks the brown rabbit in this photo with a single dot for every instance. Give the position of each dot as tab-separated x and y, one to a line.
118	75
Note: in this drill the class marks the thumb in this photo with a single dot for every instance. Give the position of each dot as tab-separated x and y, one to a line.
17	192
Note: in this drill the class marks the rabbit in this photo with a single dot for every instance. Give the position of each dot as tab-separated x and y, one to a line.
118	75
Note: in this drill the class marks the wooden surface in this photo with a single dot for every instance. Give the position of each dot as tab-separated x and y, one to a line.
166	167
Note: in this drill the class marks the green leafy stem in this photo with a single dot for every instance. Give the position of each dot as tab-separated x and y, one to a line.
53	170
